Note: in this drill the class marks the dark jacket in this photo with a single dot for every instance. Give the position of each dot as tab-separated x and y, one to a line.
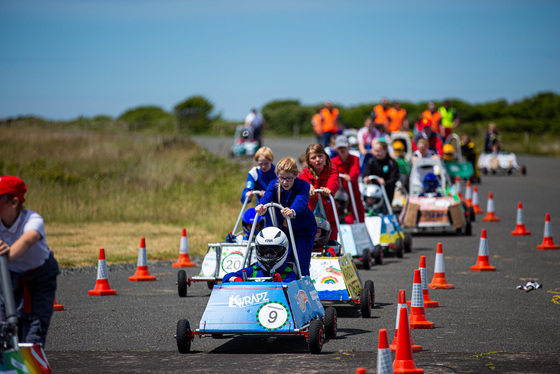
388	169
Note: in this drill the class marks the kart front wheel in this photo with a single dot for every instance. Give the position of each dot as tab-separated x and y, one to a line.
365	302
399	248
523	170
316	336
407	242
371	288
183	336
468	228
211	285
366	259
331	324
182	283
378	255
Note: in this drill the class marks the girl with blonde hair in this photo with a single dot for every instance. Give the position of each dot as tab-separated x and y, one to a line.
293	194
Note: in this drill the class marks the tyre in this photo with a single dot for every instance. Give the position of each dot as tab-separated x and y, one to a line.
330	323
366	259
316	336
399	248
484	171
472	214
211	285
182	283
371	288
378	255
365	302
183	336
468	228
407	242
523	170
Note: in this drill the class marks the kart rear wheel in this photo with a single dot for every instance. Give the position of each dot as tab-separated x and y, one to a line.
366	259
407	242
331	324
472	214
365	302
211	285
468	228
523	170
371	288
183	336
378	255
399	248
316	336
182	283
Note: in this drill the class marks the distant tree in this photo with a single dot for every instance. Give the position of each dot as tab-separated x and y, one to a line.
194	114
144	117
283	116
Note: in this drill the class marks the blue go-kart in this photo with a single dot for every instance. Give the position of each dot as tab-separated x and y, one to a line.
258	306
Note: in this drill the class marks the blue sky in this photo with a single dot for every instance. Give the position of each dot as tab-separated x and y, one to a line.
60	59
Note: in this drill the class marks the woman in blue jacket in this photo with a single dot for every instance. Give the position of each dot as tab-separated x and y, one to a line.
293	194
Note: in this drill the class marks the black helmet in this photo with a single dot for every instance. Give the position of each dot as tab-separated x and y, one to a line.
323	233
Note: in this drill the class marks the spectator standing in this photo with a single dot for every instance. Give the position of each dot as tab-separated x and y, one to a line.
366	136
433	115
255	121
381	114
397	118
33	268
449	119
317	123
491	137
330	119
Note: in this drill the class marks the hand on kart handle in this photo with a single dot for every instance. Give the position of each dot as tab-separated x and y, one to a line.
277	278
236	279
260	209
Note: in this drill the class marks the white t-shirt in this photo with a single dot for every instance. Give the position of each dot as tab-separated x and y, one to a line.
38	253
250	117
366	135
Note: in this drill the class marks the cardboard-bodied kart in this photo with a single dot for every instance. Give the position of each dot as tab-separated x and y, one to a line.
386	232
222	258
434	213
336	278
258	306
500	163
16	357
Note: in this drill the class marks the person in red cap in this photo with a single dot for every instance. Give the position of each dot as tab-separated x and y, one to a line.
434	141
33	268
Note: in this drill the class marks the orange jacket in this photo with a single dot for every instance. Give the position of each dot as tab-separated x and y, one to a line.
381	115
317	122
435	118
396	118
330	119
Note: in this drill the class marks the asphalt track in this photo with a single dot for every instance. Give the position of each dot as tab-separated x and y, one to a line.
484	324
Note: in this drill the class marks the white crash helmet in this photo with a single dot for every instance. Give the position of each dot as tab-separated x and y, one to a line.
272	248
373	191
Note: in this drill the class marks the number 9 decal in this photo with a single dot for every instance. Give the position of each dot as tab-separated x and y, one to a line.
272	315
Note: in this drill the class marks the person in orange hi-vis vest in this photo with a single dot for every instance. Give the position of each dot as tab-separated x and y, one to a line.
329	127
433	115
397	118
380	113
317	123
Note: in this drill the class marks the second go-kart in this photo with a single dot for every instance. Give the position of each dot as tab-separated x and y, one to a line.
382	224
222	258
454	162
257	306
433	203
334	273
500	163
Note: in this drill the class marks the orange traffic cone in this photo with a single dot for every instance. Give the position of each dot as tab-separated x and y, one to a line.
57	307
417	315
384	359
482	264
428	302
520	227
439	281
458	187
142	273
468	194
361	371
404	363
184	260
475	202
490	216
102	284
547	243
402	304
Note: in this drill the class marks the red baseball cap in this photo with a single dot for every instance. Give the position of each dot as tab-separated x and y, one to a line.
13	186
426	122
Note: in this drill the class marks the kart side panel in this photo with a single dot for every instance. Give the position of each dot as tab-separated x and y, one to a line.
374	226
356	238
28	358
351	276
224	258
327	276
